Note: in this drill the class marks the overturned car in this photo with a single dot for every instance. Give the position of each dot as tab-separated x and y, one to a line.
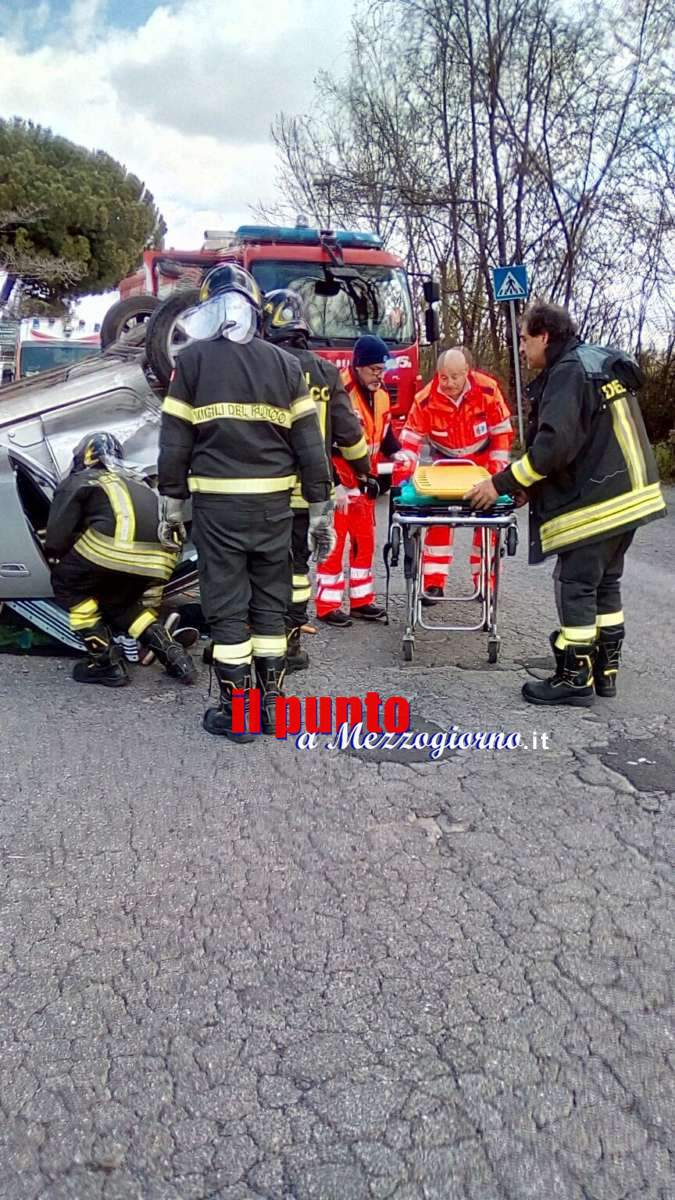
41	421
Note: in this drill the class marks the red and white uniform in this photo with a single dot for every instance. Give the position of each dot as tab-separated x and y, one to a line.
476	426
358	523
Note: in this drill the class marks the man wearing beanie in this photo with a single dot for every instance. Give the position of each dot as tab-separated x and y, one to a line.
355	500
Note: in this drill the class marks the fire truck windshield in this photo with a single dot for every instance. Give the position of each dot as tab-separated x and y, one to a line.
37	357
368	299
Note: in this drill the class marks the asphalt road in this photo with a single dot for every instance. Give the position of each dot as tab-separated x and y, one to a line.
243	972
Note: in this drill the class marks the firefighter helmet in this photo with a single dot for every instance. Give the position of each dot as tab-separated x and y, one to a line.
230	277
100	449
283	315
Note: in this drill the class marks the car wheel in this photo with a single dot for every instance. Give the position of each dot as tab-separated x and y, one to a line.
125	318
164	336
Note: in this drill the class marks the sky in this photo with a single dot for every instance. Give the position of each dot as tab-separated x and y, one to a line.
182	93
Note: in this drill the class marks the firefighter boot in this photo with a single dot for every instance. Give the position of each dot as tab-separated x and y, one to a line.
572	683
175	660
297	659
270	674
104	663
607	660
218	720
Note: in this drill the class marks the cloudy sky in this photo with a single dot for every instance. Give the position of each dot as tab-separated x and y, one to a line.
182	92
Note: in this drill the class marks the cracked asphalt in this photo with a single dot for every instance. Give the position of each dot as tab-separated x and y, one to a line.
241	972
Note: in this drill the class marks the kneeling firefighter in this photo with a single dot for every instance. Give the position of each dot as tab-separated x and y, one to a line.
103	530
285	325
237	427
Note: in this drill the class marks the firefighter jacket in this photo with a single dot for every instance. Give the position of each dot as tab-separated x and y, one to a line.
589	469
110	519
339	423
237	420
476	426
373	410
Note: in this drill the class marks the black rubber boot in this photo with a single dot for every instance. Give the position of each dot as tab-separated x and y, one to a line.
436	592
607	660
572	683
369	612
219	720
175	660
269	673
297	659
104	663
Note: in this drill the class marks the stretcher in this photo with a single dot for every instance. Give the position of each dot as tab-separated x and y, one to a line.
434	497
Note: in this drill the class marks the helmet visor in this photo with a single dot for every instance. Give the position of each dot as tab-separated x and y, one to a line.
229	315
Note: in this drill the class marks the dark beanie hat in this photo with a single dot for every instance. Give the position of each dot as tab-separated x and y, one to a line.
370	350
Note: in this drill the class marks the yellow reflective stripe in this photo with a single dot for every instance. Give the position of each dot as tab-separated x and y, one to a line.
300	580
524	473
121	503
577	633
298	500
242	412
141	623
605	620
607	523
358	450
134	558
234	654
300	408
267	646
178	408
239	487
625	433
601	509
84	615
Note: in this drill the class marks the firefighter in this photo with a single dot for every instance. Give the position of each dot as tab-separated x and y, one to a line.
460	414
285	324
355	499
237	426
103	530
591	480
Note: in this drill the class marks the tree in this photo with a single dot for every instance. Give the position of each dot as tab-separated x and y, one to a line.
480	132
72	221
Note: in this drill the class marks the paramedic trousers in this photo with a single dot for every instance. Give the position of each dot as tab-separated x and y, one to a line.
127	603
357	524
588	588
438	554
300	587
244	553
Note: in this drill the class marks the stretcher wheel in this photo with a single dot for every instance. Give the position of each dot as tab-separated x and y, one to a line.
511	540
395	544
408	649
494	646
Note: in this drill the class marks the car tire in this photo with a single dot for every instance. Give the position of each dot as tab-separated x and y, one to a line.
160	337
125	317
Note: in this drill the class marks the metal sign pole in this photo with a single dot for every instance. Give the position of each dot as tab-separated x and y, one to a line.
516	372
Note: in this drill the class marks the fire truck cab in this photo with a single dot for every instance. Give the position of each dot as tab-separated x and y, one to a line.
350	285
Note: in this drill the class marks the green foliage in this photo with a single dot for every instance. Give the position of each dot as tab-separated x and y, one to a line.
657	397
72	221
664	452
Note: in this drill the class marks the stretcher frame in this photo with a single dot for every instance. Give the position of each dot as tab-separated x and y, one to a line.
407	525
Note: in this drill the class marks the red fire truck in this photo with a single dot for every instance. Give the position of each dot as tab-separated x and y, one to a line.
349	283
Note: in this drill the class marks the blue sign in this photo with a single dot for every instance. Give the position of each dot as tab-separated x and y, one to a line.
510	283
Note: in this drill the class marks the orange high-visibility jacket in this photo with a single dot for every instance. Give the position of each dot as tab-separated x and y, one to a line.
375	419
478	426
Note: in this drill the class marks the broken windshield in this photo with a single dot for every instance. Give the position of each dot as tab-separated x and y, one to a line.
369	299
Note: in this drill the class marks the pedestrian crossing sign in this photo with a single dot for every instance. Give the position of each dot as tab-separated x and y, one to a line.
510	283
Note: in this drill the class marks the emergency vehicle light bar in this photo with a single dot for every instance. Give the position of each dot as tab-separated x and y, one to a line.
307	237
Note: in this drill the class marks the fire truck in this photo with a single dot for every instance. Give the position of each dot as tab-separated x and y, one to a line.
349	283
43	343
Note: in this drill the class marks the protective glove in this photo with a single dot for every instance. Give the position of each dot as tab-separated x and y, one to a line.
405	456
321	537
370	487
171	530
341	498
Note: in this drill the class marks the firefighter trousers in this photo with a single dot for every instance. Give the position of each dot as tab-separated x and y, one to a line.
91	594
588	588
357	524
438	554
244	549
300	587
